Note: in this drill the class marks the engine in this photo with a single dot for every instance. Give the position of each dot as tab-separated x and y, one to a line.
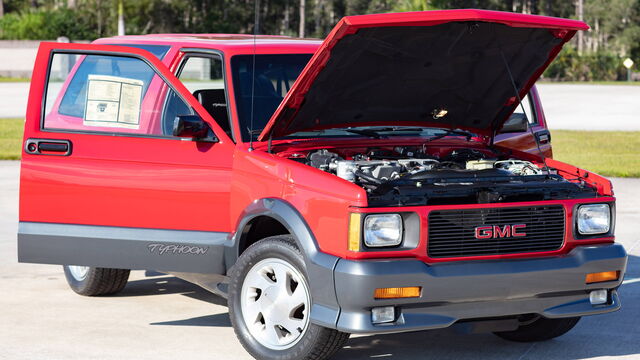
407	176
374	167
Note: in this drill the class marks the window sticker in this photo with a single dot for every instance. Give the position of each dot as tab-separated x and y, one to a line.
113	102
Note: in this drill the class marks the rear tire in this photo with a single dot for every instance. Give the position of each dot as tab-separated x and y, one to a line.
94	281
255	289
540	329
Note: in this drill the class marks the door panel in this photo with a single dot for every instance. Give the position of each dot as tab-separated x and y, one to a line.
121	171
524	141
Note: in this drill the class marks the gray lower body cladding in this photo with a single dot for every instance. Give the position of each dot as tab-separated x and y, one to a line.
553	287
119	247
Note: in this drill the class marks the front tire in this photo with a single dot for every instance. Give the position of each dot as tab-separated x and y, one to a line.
94	281
540	329
270	301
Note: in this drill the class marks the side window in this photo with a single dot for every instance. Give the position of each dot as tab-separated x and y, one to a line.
203	76
529	110
105	93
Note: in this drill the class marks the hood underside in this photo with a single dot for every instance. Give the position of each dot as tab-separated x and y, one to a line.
436	68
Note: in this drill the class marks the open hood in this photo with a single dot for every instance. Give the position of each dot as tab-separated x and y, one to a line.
432	68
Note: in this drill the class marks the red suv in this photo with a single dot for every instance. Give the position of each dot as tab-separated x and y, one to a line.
397	176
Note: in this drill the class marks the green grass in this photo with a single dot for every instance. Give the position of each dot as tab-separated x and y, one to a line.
608	153
13	79
11	138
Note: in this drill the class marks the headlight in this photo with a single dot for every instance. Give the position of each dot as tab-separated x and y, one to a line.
383	230
594	219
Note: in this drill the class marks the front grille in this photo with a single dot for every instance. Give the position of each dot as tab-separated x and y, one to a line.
452	233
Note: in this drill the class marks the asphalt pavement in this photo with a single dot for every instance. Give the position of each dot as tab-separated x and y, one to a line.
591	107
567	106
13	99
160	317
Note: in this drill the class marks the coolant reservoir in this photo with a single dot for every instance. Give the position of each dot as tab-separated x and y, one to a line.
480	164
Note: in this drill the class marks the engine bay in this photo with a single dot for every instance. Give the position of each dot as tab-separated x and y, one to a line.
405	176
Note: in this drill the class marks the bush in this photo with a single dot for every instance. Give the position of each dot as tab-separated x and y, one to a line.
598	66
43	24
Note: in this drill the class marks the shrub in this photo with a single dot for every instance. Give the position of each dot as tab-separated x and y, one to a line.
44	24
597	66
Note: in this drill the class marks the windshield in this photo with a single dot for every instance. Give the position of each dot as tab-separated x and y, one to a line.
274	76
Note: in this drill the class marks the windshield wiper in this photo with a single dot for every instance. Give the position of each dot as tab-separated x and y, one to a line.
368	132
375	133
450	132
386	131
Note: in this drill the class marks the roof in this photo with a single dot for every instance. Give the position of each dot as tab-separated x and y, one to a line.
237	42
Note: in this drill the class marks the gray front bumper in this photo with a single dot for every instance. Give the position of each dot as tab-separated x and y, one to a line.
553	287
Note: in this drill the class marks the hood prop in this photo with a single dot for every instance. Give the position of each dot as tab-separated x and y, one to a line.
517	93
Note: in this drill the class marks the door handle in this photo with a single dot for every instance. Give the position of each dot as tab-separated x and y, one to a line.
54	147
544	137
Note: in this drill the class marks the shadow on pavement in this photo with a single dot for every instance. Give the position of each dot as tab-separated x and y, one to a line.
165	284
217	320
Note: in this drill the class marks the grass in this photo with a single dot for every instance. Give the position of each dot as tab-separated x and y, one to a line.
11	138
13	79
608	153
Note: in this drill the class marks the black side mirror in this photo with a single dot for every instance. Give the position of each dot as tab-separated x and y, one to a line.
192	126
517	123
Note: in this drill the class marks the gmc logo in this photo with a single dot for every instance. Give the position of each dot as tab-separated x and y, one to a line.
496	231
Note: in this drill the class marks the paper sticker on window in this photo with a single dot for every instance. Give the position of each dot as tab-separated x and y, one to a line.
113	102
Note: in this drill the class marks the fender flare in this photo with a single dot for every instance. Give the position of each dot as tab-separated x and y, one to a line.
320	266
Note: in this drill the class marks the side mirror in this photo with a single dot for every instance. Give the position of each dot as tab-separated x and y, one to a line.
517	123
192	126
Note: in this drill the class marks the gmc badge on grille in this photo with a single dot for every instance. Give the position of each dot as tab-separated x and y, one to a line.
497	231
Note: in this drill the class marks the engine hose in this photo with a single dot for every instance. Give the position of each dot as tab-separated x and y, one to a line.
366	177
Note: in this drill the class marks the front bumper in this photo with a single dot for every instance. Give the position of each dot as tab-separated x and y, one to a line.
553	287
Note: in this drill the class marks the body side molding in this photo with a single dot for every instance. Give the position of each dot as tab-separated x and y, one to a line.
120	247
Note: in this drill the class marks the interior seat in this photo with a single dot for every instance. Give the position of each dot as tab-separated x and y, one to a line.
215	102
265	99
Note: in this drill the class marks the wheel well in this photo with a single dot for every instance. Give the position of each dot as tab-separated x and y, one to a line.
260	228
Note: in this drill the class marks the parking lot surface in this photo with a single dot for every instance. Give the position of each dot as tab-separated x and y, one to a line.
161	317
591	107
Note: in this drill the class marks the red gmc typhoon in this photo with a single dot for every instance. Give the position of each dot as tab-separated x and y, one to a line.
397	176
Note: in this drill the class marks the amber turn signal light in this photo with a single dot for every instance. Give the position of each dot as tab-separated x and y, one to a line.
355	221
397	292
602	277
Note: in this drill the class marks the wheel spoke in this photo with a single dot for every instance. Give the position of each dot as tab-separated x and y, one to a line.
293	325
271	333
251	312
259	280
296	299
282	277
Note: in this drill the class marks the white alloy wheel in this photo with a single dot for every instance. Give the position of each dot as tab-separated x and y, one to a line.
275	303
78	272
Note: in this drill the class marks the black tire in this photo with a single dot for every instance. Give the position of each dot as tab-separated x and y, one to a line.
98	281
541	329
316	343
